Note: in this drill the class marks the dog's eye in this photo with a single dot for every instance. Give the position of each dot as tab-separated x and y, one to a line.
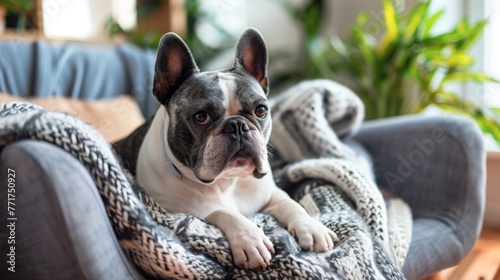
261	111
201	117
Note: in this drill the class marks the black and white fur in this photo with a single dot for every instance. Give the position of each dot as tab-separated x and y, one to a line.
205	152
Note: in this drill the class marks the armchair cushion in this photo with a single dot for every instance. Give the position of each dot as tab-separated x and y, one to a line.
62	230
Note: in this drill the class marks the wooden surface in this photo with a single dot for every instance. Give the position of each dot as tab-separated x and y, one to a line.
482	263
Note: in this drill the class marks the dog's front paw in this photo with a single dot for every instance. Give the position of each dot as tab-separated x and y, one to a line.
312	234
250	247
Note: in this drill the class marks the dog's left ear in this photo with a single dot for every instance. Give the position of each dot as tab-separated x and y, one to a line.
251	55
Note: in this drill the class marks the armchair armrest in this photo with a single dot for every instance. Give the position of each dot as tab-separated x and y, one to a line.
62	230
437	165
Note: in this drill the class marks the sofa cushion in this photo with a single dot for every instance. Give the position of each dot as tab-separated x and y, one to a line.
115	118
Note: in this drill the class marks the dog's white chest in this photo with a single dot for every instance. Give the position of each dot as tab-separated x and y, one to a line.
249	196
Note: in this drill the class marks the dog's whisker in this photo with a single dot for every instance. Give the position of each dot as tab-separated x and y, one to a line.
270	151
270	147
270	155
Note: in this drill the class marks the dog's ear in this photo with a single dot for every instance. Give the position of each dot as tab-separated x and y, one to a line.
251	55
174	64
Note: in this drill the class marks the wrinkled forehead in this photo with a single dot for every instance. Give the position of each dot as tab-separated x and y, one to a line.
237	88
219	87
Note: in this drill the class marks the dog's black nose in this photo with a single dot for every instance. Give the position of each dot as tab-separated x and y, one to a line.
236	127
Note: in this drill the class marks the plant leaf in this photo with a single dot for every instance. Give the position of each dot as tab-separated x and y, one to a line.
469	76
391	24
472	35
443	39
446	97
456	59
363	18
366	47
416	16
339	46
487	124
390	17
429	24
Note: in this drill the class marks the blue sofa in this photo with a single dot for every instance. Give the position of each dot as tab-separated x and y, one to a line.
436	164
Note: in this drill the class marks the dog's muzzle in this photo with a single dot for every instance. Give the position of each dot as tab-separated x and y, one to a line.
237	141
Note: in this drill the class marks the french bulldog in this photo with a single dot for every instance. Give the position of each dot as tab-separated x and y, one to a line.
205	152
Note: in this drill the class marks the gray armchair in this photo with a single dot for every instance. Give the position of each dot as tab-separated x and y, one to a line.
436	164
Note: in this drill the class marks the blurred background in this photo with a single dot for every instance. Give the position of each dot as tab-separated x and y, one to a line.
400	56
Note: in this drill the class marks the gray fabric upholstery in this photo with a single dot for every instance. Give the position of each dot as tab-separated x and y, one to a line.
62	230
443	185
78	71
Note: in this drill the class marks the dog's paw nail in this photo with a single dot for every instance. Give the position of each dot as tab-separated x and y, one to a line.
334	237
325	250
311	249
272	250
292	232
268	262
245	264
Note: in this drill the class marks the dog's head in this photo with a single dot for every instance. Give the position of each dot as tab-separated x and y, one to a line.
219	122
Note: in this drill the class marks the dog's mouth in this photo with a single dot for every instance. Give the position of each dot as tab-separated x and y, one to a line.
237	162
236	149
243	159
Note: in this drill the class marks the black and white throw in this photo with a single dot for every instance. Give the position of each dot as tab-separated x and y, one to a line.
330	179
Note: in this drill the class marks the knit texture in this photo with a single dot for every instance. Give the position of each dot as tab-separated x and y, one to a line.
329	179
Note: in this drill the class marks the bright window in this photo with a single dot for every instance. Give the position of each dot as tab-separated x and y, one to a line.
487	52
492	52
85	19
67	19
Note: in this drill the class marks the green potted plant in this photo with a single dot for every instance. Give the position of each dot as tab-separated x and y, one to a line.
17	12
401	67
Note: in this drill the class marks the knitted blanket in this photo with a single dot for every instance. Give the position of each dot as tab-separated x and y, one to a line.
331	180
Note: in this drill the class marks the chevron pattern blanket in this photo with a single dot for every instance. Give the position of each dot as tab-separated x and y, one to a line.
331	180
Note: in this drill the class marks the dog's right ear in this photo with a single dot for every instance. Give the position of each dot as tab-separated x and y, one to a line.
174	64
